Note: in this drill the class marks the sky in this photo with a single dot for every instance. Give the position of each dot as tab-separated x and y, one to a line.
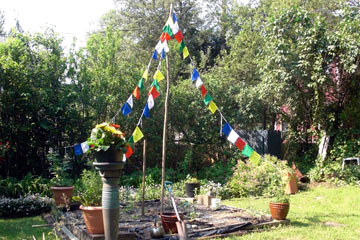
69	18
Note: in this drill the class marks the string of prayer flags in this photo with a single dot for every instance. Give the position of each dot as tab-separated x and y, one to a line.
203	91
158	76
255	158
136	93
137	134
146	111
77	150
129	151
155	83
126	109
154	92
195	75
240	144
212	107
85	147
207	99
247	151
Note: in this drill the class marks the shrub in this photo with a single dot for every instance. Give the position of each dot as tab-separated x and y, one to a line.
263	180
89	188
30	205
218	172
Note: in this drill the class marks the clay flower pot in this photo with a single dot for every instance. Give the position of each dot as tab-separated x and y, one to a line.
279	211
169	220
62	195
93	218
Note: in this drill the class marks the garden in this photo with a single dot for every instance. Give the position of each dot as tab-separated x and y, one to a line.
236	125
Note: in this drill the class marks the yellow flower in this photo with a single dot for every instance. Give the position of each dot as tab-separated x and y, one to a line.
101	125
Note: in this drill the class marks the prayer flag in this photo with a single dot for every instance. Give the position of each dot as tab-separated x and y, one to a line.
207	99
158	75
174	17
198	82
141	84
130	101
159	47
212	107
124	157
77	150
155	83
167	36
129	151
226	129
137	134
84	147
195	75
162	37
233	136
136	93
247	151
165	46
146	111
240	144
167	30
185	52
163	54
203	90
182	46
154	92
175	28
150	101
154	55
255	158
145	74
131	139
126	109
179	36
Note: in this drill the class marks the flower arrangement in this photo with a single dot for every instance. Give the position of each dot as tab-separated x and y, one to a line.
106	135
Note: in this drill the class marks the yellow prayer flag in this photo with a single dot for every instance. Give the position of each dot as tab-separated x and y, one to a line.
137	134
212	107
158	76
255	158
145	75
185	52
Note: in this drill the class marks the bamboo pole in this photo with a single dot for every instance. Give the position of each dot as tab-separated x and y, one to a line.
143	180
165	128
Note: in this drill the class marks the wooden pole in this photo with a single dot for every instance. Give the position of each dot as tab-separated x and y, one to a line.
165	129
143	180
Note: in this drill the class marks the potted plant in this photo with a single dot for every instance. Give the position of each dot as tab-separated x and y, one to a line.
88	193
279	206
192	186
62	184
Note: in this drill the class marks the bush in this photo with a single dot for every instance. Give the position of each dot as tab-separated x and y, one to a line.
218	172
263	180
30	205
30	184
89	188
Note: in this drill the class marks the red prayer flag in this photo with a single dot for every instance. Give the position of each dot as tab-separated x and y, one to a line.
129	152
162	37
179	36
136	93
203	90
240	144
167	36
154	92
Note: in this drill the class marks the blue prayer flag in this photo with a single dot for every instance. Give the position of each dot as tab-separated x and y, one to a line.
77	150
154	55
174	18
163	54
195	75
126	109
146	111
226	129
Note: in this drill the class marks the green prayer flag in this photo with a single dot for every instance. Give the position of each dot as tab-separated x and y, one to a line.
167	29
131	139
155	83
207	99
141	84
247	151
182	46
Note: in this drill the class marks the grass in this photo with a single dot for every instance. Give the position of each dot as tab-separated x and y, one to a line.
21	228
322	212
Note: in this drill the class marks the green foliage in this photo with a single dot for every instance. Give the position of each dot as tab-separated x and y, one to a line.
59	169
190	179
89	188
30	205
219	171
13	188
268	179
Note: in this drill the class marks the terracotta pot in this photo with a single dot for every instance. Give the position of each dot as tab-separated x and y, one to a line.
279	211
192	188
292	186
169	220
62	195
93	218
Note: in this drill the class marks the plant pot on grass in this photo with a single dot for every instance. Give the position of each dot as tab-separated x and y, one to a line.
89	188
192	186
279	207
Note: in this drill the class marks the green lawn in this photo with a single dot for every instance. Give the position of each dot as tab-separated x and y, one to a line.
319	213
20	228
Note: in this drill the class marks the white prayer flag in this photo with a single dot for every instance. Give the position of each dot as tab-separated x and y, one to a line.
233	136
150	101
84	147
175	27
130	101
198	82
165	46
159	47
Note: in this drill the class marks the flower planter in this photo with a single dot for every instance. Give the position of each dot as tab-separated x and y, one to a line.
279	211
192	188
93	218
169	220
62	195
